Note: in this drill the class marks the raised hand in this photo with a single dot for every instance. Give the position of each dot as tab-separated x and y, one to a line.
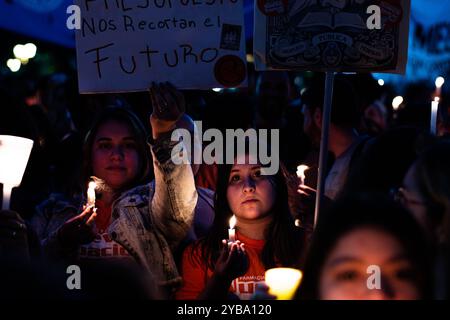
168	107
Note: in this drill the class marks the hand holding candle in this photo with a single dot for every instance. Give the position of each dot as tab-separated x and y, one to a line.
232	231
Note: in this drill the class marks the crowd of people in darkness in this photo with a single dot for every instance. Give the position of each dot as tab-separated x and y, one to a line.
159	229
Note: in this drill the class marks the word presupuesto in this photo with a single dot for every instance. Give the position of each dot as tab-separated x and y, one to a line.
125	6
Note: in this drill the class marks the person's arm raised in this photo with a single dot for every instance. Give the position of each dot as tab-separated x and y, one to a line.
175	196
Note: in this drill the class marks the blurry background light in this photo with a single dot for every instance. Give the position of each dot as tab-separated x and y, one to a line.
19	51
30	50
13	64
25	52
439	82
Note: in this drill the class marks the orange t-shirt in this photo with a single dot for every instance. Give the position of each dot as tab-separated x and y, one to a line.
244	287
103	247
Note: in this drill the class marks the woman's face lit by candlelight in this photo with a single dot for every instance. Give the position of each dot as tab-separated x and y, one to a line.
345	273
250	195
114	155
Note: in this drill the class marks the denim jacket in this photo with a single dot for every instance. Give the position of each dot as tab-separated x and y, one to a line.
152	239
148	221
49	217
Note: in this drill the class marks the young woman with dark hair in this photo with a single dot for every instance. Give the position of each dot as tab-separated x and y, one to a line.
137	140
117	157
266	236
426	190
426	194
367	247
142	227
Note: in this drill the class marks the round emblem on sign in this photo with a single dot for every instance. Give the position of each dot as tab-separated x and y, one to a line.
230	71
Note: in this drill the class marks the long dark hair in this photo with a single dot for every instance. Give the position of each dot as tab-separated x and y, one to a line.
284	241
432	173
366	210
127	117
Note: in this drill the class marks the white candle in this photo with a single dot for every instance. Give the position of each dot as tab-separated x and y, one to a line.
14	155
6	196
232	231
434	110
301	173
396	102
91	194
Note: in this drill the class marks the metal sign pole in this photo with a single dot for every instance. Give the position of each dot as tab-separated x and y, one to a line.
326	116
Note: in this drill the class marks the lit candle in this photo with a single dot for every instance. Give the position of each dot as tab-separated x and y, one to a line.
434	110
232	231
396	103
91	194
439	83
14	155
283	282
301	173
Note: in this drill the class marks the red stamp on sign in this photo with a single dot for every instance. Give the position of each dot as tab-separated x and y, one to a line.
230	71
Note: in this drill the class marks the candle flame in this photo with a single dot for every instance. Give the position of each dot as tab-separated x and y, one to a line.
92	185
91	193
232	222
396	102
439	82
301	172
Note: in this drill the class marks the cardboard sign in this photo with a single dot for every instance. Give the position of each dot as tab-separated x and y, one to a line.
124	45
331	35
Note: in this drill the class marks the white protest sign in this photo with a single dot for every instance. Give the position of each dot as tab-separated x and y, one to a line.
124	45
331	35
